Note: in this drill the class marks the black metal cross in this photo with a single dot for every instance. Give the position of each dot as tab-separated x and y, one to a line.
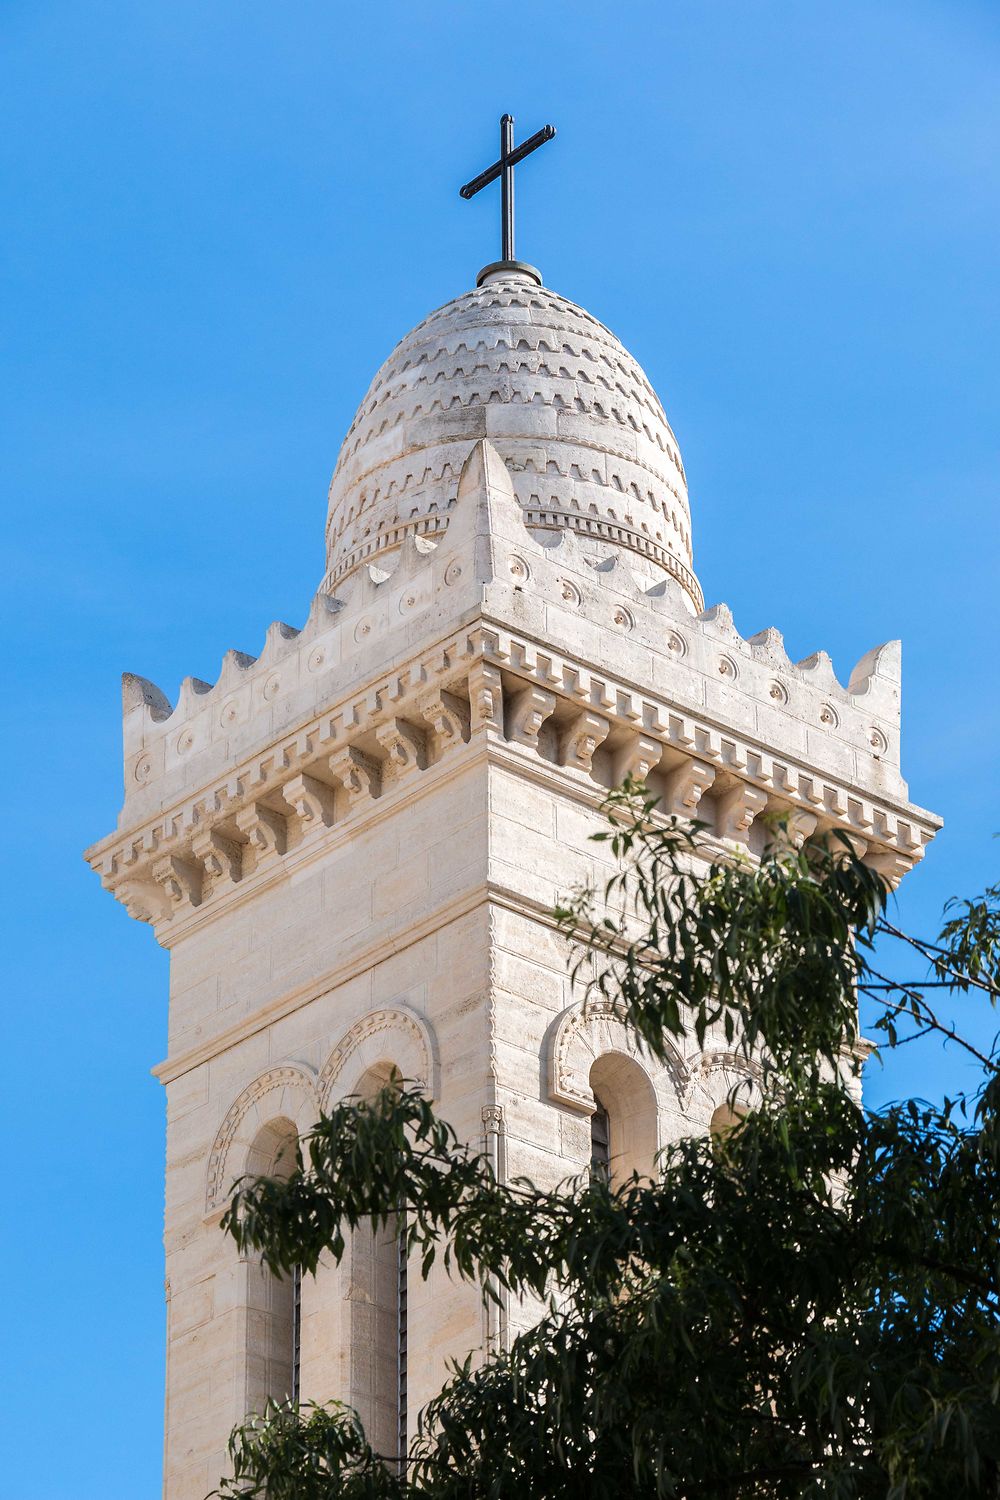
510	155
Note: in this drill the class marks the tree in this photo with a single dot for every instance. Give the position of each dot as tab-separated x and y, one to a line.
806	1305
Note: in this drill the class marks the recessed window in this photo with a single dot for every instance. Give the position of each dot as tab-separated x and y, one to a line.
600	1144
273	1303
377	1297
623	1127
725	1120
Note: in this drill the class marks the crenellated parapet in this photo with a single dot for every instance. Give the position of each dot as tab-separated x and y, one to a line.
559	594
492	642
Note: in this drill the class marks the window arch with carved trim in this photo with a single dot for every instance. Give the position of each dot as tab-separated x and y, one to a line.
723	1088
599	1069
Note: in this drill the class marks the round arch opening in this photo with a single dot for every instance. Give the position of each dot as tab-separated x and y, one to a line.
627	1111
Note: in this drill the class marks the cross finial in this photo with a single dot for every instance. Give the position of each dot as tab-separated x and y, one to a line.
510	155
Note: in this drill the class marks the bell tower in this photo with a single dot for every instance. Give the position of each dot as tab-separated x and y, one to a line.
352	844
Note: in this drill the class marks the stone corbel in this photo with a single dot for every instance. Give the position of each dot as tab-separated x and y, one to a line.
581	737
144	900
796	825
526	714
801	825
312	800
486	698
266	830
637	758
222	858
405	746
447	715
736	809
357	774
836	838
890	864
686	786
180	879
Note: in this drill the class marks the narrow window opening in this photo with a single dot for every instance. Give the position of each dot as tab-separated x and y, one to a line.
600	1144
377	1294
296	1333
401	1338
272	1306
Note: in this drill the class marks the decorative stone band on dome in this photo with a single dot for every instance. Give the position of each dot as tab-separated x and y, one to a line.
578	425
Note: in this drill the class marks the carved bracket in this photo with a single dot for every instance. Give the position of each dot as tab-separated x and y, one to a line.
180	879
357	773
405	746
795	826
527	713
447	715
801	826
892	866
686	786
637	758
144	900
221	857
312	800
581	738
486	698
266	830
736	809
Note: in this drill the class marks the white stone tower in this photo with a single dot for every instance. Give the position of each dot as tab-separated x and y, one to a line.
352	844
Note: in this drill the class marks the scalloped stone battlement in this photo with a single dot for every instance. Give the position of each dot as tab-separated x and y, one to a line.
596	608
380	673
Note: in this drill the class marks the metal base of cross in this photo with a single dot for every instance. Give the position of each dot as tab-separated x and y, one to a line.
509	268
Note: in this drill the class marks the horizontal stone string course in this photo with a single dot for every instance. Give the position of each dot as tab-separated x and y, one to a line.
513	693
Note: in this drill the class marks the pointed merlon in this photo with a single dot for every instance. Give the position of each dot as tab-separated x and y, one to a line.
139	691
322	612
276	640
819	668
191	689
235	665
884	662
487	517
484	474
720	618
769	646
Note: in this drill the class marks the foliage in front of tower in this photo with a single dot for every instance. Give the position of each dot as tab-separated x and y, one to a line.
806	1305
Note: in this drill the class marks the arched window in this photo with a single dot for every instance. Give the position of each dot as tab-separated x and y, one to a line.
378	1305
725	1118
274	1304
623	1127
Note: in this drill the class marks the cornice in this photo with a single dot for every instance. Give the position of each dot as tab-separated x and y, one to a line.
483	687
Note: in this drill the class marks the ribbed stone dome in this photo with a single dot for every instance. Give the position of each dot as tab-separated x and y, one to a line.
577	423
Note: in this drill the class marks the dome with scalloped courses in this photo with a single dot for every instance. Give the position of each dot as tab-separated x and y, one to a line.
577	423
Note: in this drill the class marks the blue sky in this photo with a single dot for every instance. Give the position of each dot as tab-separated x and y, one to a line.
219	219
